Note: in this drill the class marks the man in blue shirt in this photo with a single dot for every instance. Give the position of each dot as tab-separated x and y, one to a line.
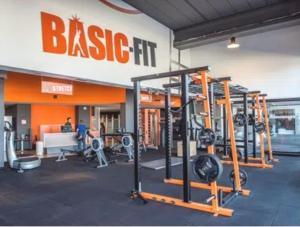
81	133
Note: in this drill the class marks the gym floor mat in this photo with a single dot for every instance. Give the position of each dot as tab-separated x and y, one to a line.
75	193
161	163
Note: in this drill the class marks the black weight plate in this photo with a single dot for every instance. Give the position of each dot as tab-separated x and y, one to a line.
208	168
243	177
239	119
207	136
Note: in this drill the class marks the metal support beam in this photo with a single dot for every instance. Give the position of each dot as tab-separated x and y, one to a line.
168	132
245	107
185	139
253	130
136	120
245	23
2	76
225	130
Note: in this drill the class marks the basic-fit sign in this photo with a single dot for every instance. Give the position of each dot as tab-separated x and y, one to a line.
92	41
85	40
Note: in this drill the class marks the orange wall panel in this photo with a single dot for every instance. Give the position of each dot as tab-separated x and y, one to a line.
25	88
49	114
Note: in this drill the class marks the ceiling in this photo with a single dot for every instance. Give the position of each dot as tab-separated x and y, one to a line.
195	21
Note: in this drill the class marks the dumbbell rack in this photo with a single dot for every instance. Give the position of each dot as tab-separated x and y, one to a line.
216	190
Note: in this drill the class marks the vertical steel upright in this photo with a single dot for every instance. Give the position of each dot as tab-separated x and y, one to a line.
168	131
261	136
2	110
225	130
136	116
211	104
253	129
245	107
185	138
237	180
268	133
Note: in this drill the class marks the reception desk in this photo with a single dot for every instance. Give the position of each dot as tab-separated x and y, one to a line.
53	142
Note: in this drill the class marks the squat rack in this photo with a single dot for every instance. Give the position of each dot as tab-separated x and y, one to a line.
258	106
217	86
186	202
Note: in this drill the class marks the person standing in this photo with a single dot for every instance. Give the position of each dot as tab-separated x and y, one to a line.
67	126
81	133
102	129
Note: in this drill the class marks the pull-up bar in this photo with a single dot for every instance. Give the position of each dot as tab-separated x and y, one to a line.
170	74
212	80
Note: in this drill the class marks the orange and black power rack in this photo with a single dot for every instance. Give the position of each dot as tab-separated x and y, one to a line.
241	94
212	204
257	108
267	124
207	87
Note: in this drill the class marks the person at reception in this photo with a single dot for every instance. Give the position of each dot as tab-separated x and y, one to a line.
81	133
67	126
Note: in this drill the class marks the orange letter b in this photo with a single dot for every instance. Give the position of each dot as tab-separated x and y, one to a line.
52	30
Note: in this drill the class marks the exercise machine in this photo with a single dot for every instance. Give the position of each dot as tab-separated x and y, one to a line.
123	147
92	152
19	164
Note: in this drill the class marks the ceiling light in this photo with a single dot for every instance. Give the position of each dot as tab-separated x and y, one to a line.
233	44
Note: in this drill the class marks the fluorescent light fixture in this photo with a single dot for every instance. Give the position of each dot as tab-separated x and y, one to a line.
233	44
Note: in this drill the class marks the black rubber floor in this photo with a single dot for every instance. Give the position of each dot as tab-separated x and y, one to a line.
74	193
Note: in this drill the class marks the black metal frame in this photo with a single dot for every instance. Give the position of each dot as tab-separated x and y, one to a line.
185	133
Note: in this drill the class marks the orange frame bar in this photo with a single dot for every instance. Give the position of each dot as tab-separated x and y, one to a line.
207	124
198	185
268	133
191	205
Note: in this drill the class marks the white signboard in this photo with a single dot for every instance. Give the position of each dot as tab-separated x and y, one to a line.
99	40
57	88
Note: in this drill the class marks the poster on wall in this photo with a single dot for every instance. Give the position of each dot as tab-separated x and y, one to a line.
105	41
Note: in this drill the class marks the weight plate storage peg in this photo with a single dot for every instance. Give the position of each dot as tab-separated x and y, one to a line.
207	137
243	177
208	168
240	119
260	127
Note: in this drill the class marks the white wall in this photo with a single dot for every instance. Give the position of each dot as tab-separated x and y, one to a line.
21	44
269	62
